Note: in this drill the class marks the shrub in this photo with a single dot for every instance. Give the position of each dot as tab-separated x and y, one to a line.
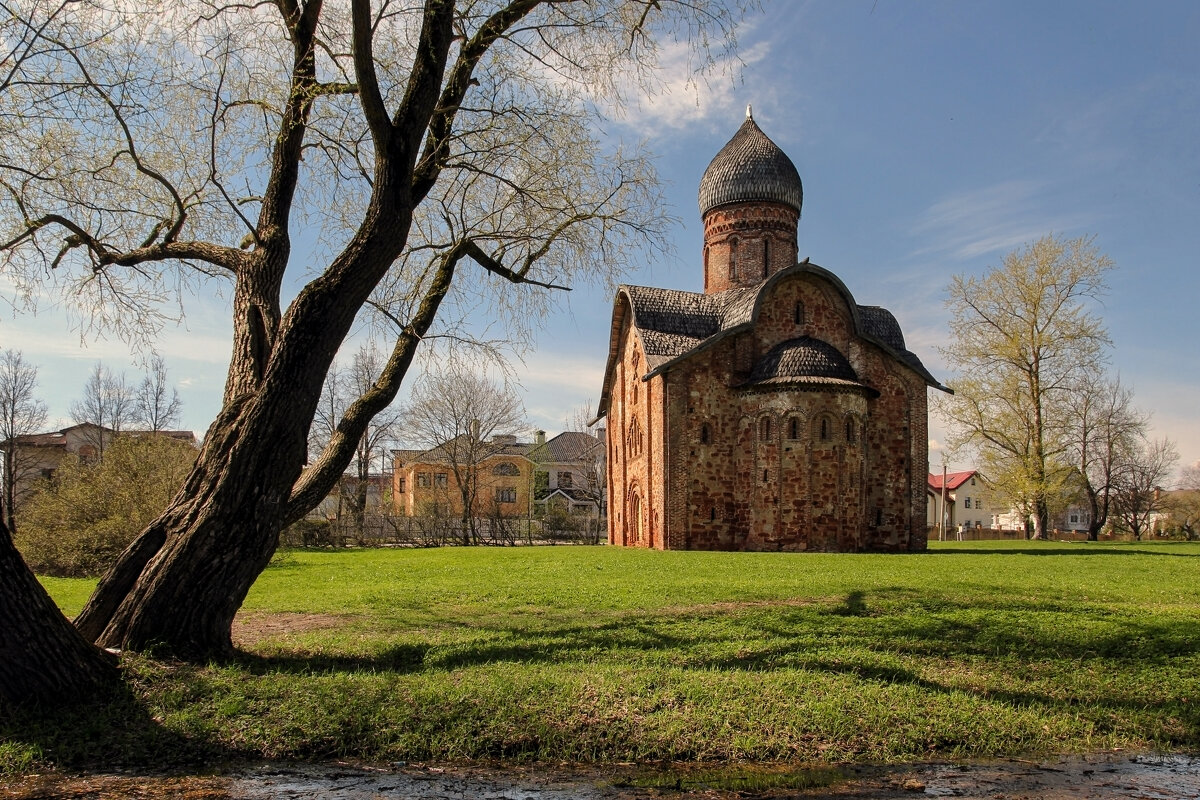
80	521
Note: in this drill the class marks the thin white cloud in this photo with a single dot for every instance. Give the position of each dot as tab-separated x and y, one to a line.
690	96
991	219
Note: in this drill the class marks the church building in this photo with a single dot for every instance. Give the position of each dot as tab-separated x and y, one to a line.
771	411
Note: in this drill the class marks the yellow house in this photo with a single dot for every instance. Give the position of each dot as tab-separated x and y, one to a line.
496	477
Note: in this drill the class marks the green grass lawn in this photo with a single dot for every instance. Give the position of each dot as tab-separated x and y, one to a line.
606	654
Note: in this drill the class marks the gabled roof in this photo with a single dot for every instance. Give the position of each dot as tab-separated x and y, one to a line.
574	494
953	480
673	325
59	438
567	447
442	453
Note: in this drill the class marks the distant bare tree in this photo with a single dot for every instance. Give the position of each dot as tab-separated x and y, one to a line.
342	388
1139	498
460	413
1184	508
595	478
156	404
1104	431
21	413
107	403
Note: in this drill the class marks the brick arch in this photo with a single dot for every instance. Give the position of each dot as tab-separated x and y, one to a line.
825	429
635	514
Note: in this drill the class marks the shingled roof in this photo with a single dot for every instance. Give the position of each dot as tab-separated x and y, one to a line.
803	360
750	167
673	325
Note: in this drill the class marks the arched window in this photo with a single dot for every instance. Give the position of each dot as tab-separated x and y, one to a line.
764	429
824	434
798	313
794	428
505	468
850	433
635	513
633	438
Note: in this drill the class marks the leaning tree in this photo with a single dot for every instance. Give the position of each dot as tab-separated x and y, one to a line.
400	156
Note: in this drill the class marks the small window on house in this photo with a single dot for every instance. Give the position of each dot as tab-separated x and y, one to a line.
733	255
798	313
878	517
565	480
440	480
506	494
972	481
1074	518
704	433
766	475
967	504
422	480
764	429
712	514
824	429
978	503
766	268
794	428
401	489
850	431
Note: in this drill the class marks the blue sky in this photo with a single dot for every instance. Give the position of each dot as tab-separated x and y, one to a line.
931	137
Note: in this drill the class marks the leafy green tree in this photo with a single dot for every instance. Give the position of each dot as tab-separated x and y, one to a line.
80	521
1022	336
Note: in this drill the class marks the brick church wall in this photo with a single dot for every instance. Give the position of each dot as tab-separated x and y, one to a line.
747	242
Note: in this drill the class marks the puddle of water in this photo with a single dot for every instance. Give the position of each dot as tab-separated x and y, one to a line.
1102	776
735	778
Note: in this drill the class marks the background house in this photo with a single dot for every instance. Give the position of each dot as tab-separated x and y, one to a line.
968	500
37	456
569	474
513	478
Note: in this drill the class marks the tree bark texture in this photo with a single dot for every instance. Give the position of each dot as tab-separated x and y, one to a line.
43	659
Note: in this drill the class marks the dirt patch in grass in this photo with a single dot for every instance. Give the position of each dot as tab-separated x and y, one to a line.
252	627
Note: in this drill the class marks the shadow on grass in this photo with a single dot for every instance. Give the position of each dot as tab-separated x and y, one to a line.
400	659
110	732
1025	654
1064	549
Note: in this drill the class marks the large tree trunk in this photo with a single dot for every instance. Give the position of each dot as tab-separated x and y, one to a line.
43	658
177	588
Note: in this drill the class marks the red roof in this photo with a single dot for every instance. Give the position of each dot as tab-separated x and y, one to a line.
953	480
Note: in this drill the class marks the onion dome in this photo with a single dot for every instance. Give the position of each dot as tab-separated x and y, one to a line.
803	360
749	168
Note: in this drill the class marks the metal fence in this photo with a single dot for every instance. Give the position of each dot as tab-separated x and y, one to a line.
378	530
